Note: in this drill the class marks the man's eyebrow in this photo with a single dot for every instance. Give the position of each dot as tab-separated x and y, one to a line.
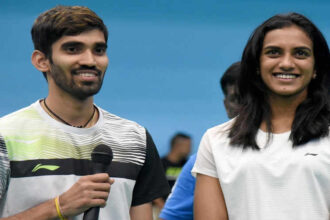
71	44
77	43
101	44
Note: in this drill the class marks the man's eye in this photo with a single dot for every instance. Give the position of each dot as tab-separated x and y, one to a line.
100	50
72	49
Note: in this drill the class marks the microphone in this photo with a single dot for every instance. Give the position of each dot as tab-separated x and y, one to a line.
101	157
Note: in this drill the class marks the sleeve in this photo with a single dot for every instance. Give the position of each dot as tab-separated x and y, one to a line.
179	205
205	163
4	169
151	182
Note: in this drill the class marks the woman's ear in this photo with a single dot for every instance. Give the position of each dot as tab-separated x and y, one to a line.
40	61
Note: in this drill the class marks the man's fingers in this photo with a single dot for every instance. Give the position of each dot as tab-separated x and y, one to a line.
99	177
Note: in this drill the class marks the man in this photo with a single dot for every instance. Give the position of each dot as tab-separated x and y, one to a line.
177	157
173	162
179	205
228	84
45	148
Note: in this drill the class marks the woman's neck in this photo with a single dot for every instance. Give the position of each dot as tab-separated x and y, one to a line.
283	110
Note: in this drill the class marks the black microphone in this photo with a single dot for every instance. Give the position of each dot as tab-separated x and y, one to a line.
101	157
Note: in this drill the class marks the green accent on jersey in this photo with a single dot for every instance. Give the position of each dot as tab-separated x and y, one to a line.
173	171
47	167
28	136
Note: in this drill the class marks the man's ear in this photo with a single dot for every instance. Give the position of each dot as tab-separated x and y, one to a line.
40	61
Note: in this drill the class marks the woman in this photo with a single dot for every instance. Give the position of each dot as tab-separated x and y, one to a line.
273	160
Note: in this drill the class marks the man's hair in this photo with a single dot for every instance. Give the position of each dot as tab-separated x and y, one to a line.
312	115
63	21
177	136
230	77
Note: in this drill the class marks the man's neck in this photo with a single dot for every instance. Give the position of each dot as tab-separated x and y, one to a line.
73	111
174	157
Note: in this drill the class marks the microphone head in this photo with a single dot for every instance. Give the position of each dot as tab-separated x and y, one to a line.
102	154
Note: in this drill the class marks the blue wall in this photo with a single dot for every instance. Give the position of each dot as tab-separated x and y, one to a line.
166	56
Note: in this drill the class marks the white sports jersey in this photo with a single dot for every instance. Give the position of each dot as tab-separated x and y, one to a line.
41	158
276	183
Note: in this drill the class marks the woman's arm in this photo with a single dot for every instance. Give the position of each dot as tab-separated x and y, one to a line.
209	202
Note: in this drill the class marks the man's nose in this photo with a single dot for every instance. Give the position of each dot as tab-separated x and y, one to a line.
87	58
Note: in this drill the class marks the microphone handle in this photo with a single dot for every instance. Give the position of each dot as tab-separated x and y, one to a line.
92	213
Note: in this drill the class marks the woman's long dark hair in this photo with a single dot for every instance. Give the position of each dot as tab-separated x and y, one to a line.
312	115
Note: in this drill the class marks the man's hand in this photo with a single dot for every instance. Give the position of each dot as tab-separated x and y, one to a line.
88	191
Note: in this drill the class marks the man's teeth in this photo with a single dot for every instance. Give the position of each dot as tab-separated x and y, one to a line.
286	76
86	74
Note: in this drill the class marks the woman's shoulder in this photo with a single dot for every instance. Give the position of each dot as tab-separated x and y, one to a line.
221	129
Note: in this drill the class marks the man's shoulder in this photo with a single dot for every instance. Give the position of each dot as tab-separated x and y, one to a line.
120	121
19	116
122	127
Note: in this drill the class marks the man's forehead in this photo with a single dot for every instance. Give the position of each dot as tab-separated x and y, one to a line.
87	37
183	140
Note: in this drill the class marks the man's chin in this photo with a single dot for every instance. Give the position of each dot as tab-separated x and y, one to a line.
83	95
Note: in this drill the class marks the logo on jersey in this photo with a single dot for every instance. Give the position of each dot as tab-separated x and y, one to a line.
310	154
47	167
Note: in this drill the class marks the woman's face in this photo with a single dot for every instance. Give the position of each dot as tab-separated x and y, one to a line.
287	62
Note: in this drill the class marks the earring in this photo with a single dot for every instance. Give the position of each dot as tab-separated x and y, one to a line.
314	76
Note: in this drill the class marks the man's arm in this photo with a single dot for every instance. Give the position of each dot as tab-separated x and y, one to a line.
88	191
45	211
151	182
141	212
159	203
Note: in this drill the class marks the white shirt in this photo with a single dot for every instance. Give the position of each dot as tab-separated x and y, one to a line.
276	183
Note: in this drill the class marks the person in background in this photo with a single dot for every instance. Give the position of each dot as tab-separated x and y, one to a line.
45	148
228	84
180	146
272	161
177	157
179	205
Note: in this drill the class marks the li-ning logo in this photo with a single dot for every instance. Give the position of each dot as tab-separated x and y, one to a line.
311	154
47	167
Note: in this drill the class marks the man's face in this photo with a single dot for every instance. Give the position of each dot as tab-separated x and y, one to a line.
184	146
78	64
231	101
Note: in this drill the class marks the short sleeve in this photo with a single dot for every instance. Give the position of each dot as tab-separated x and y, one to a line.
205	163
4	168
151	182
179	205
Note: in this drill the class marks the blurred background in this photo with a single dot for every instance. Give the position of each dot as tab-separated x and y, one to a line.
166	57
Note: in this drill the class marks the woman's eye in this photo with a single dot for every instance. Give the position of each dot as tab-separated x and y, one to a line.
272	52
301	53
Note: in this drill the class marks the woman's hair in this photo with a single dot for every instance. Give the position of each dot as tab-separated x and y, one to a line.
312	115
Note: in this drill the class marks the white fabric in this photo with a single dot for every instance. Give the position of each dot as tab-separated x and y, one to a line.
276	183
32	135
